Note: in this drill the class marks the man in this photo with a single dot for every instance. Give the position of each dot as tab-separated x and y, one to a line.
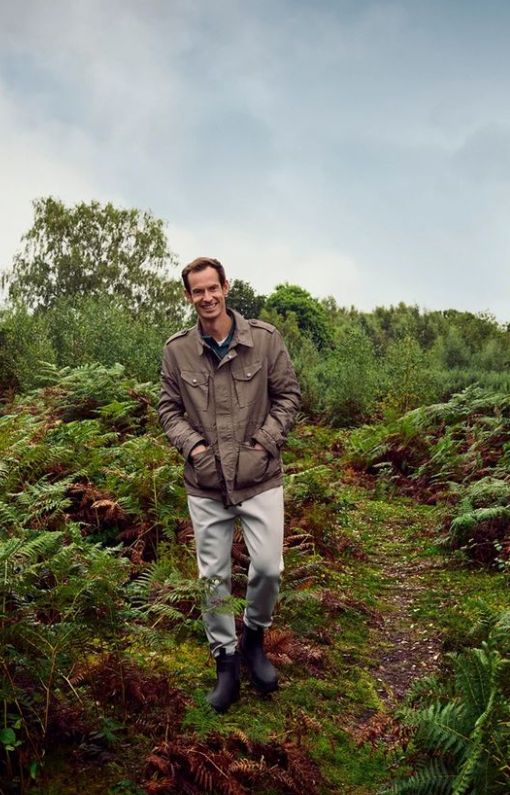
229	396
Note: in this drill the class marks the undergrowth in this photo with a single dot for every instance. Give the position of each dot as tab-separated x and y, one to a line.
455	453
103	656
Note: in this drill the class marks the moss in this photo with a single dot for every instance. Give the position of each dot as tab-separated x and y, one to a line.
362	689
349	768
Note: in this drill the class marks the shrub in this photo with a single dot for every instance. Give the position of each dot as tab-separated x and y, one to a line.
346	380
25	340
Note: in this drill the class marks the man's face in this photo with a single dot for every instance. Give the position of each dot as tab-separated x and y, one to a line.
206	294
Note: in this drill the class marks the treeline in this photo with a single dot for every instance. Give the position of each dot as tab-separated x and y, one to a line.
93	283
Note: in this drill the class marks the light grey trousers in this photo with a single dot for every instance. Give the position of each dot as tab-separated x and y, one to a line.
262	524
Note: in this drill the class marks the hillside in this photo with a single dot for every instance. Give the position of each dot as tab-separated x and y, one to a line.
390	634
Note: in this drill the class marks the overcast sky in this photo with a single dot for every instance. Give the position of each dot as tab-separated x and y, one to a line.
359	149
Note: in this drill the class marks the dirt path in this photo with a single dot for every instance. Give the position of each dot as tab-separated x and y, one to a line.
405	643
409	649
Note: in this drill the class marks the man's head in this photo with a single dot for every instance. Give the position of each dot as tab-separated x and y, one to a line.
200	264
206	288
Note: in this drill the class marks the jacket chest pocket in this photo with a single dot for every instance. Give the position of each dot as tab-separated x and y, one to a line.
196	388
248	383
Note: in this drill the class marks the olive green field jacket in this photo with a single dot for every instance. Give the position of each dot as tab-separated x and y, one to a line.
252	394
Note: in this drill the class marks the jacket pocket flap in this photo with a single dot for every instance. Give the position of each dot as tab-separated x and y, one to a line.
247	372
193	378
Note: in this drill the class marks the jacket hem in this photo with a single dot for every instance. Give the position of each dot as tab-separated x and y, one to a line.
236	497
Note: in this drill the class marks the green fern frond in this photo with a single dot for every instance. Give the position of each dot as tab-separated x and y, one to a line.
44	498
432	779
9	515
424	689
499	637
443	726
476	673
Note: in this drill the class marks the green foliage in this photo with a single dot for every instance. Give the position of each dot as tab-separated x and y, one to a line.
83	390
408	381
80	331
427	356
308	485
463	733
163	597
25	340
311	316
460	448
450	349
94	250
243	298
346	381
83	461
60	597
87	486
96	329
386	325
479	525
494	355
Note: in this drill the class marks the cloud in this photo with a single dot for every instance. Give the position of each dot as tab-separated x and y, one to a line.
484	156
265	261
360	149
32	164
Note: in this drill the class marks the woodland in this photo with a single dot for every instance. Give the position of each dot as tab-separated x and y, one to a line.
391	633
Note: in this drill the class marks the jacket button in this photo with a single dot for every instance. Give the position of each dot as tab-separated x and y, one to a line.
194	380
249	375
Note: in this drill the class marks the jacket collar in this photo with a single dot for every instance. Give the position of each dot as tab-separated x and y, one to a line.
242	333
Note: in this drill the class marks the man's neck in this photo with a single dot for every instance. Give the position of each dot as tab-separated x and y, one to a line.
218	328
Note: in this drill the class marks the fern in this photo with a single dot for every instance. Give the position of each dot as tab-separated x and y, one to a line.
465	730
434	779
59	598
44	499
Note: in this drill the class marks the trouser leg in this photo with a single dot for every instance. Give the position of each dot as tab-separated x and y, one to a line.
213	527
262	520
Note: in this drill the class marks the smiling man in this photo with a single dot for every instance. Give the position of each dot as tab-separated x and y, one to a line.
229	396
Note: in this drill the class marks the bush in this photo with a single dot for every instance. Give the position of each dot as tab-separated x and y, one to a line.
25	340
346	380
97	330
79	332
406	376
311	316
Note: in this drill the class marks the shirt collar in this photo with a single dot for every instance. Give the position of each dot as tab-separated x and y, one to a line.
241	332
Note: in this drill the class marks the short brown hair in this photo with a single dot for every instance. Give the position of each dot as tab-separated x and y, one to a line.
200	264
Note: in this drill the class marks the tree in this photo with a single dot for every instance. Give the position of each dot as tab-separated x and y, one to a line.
243	298
94	250
311	316
346	380
451	349
407	378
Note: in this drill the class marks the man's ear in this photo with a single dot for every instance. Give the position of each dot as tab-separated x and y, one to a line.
187	297
226	288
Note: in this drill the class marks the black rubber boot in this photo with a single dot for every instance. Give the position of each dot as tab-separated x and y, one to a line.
251	646
226	690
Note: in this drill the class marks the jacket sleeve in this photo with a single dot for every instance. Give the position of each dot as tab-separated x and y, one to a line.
284	394
171	409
